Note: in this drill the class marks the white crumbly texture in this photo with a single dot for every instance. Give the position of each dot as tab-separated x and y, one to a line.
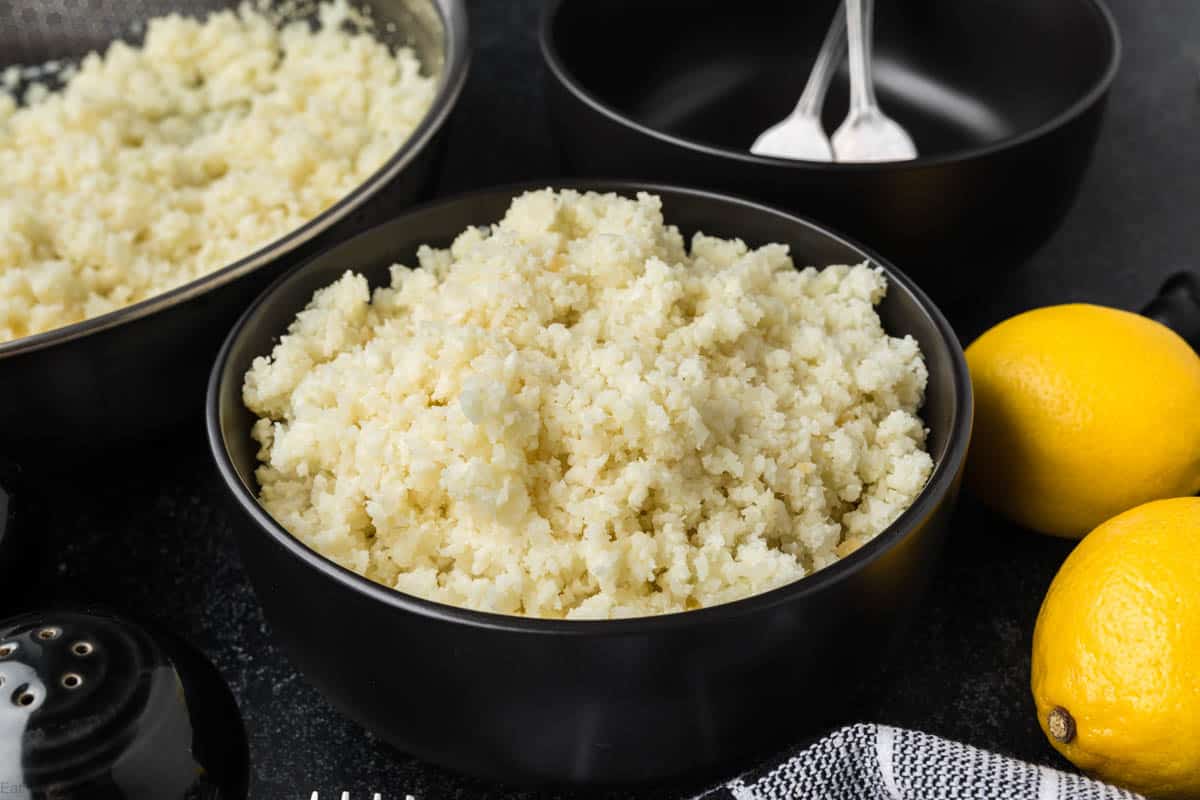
569	415
157	164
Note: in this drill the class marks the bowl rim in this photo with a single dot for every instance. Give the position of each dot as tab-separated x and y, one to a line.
455	65
558	69
941	483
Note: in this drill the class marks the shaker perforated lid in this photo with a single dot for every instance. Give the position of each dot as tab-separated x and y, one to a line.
93	706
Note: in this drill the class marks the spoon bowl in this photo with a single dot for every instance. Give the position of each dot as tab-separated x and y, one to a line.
871	135
799	136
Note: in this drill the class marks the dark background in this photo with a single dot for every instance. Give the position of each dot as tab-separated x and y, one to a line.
153	537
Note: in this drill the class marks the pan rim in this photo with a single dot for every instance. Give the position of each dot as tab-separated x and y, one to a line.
456	63
942	482
558	70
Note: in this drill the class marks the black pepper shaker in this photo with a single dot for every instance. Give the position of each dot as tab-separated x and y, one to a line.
96	708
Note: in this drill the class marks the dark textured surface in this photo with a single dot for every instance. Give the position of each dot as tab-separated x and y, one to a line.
151	537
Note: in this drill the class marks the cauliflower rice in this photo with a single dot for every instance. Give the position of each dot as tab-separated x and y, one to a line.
570	415
157	164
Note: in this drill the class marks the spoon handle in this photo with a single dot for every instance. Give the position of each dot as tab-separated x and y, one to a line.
859	14
823	69
1177	306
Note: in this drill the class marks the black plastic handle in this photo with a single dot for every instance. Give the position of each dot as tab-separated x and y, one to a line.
1177	305
16	540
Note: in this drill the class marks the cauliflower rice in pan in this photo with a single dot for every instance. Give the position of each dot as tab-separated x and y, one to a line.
157	164
570	414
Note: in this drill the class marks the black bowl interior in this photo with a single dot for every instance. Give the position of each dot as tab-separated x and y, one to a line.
904	311
959	75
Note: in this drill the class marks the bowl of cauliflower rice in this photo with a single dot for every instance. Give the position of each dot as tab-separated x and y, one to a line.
592	484
165	160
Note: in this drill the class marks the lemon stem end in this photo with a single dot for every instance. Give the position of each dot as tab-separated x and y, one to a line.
1061	725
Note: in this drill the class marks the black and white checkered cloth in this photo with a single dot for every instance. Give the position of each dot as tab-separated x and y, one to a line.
877	762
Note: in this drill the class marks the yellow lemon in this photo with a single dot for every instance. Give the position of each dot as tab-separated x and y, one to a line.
1116	651
1081	413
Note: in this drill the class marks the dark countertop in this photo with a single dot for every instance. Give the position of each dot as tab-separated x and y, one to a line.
156	540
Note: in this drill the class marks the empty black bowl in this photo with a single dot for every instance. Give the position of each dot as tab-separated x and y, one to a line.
1003	97
571	702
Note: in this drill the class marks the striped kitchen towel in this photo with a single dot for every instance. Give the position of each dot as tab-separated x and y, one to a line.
877	762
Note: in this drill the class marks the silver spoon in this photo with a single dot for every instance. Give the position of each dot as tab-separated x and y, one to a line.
867	134
800	135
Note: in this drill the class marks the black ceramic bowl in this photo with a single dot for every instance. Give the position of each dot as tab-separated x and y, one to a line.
1003	97
554	702
132	373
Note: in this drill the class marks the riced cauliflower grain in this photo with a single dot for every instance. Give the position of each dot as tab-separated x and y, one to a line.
568	414
159	163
